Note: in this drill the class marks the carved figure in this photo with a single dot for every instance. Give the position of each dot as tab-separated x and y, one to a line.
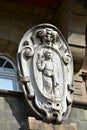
48	37
49	73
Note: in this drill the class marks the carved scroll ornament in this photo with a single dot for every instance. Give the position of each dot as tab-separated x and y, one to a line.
46	72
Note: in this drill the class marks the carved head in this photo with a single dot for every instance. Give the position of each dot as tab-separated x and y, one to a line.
47	36
48	54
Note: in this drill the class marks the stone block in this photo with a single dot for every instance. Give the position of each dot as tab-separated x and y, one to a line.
71	126
82	125
34	124
85	115
14	126
77	114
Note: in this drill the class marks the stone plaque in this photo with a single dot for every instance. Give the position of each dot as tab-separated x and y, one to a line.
46	72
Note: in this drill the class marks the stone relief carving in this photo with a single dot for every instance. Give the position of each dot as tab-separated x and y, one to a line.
49	69
46	72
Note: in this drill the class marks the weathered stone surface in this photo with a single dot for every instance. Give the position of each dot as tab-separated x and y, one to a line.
77	30
77	114
12	114
85	114
34	124
81	125
71	126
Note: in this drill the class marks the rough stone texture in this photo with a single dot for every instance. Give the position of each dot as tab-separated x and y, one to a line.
71	126
34	124
12	114
77	117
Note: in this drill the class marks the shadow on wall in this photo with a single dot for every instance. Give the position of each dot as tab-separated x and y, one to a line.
14	113
8	48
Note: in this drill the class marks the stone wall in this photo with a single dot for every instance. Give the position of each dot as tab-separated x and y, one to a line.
15	20
13	115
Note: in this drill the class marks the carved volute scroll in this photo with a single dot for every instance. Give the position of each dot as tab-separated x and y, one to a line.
46	73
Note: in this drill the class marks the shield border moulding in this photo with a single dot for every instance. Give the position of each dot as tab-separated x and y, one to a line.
45	66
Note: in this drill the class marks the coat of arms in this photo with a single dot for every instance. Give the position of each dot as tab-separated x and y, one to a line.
46	72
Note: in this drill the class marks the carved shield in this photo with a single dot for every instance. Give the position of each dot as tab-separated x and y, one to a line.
46	72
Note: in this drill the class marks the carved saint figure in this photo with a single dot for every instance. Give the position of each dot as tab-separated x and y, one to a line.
49	71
